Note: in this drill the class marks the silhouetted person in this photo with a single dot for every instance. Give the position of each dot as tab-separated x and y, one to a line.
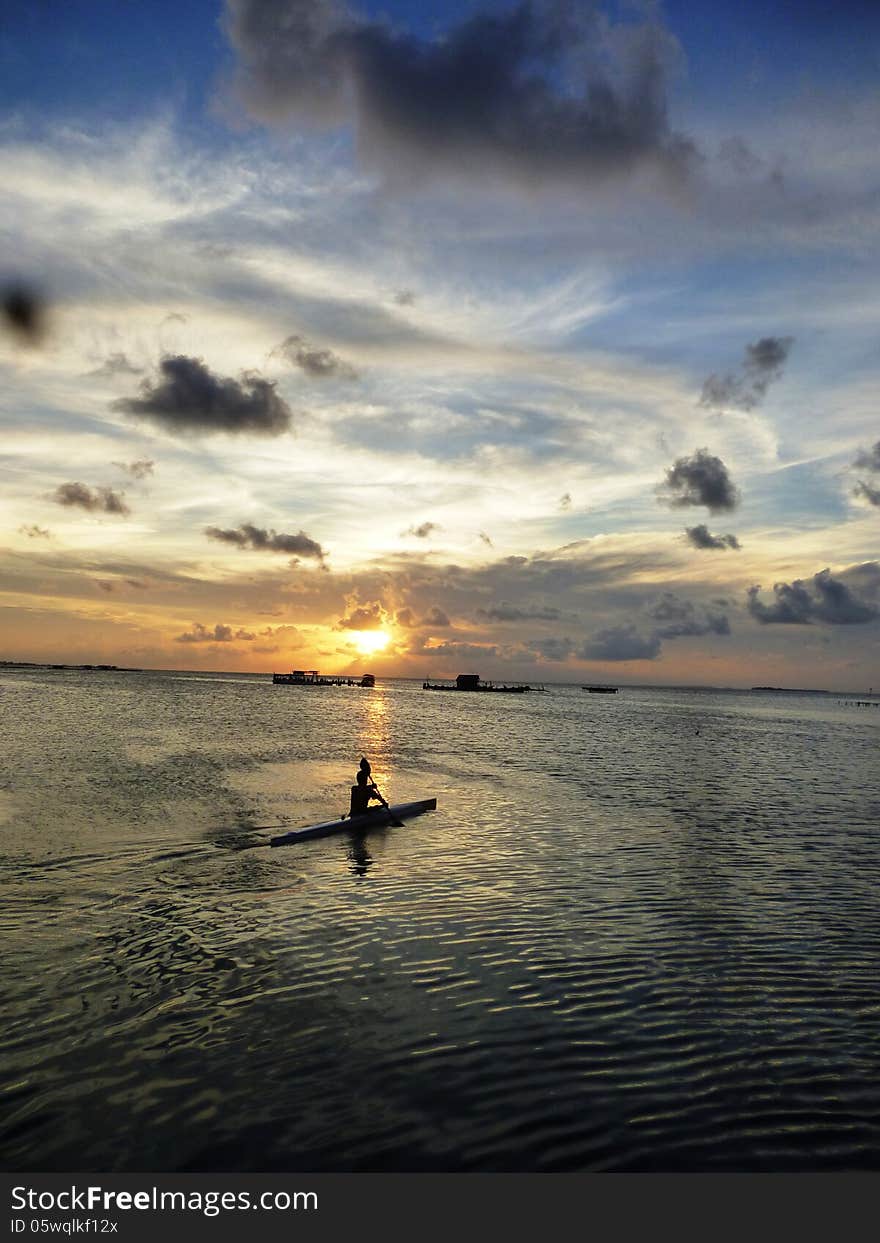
362	794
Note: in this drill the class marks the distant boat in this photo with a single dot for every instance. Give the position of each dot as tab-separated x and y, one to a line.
300	677
600	690
311	677
472	682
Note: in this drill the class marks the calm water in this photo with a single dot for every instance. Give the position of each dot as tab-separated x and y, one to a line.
641	932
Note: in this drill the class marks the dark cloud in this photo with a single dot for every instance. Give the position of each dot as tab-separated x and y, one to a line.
115	364
137	470
701	537
23	311
423	530
621	643
320	364
505	612
220	634
95	500
109	585
552	648
868	493
677	618
700	480
405	297
823	599
460	651
365	617
762	364
547	91
864	579
434	619
188	397
261	540
35	532
869	460
680	619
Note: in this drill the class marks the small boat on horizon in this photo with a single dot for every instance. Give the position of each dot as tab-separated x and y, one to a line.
600	690
311	677
472	682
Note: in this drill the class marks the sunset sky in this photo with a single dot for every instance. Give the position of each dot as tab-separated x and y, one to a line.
537	341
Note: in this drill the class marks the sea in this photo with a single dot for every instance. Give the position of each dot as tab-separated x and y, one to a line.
641	932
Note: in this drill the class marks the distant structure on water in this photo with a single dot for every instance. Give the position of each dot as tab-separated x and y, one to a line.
600	690
472	682
311	677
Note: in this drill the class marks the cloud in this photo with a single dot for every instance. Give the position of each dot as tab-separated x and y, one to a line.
552	648
565	501
110	585
680	620
701	537
261	540
621	643
23	311
95	500
35	532
700	480
763	363
220	634
188	397
869	460
115	364
405	297
545	92
137	470
461	651
365	617
868	493
505	612
823	599
320	364
434	619
423	530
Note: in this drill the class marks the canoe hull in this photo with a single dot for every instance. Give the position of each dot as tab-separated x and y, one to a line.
376	818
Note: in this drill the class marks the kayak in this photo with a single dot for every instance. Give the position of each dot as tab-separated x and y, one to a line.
372	819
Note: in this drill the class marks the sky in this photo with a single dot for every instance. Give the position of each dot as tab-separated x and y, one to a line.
538	341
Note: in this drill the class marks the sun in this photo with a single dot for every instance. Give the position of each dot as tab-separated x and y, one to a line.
369	641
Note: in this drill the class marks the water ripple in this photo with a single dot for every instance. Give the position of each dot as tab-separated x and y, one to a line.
615	946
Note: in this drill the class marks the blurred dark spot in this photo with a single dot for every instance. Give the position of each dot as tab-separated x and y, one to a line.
23	312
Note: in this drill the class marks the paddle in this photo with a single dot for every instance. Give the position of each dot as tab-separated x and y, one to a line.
398	824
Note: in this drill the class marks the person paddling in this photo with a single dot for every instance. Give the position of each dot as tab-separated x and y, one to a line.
362	794
365	790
